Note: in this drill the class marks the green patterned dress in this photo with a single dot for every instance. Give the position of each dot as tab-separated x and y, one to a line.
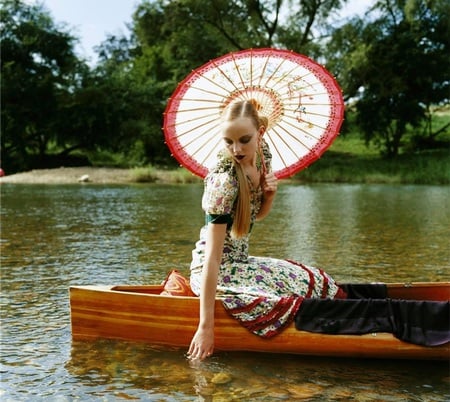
263	293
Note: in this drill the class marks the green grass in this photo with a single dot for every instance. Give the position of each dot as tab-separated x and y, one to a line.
349	161
431	167
151	174
144	174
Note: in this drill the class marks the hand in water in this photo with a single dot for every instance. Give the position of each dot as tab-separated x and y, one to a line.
202	344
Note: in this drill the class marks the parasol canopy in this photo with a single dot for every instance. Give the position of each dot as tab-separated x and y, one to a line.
301	99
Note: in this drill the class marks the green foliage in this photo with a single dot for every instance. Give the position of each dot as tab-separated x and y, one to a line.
393	66
431	167
350	160
308	27
150	174
144	175
38	67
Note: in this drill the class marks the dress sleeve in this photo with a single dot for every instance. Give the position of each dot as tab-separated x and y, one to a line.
219	196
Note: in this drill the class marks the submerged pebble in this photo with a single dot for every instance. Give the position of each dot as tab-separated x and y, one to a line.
221	378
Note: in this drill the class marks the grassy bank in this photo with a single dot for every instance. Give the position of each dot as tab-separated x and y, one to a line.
337	167
334	167
347	161
151	174
432	167
350	160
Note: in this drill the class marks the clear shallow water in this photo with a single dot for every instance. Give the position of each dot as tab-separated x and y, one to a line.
57	236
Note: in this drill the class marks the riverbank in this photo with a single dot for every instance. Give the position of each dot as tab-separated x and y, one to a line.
99	175
431	168
428	167
70	175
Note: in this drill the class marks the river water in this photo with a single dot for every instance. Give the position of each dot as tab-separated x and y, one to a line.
55	236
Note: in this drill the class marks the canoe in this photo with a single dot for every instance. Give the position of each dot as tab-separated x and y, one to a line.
140	313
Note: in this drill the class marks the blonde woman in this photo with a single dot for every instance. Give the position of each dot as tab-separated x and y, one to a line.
262	293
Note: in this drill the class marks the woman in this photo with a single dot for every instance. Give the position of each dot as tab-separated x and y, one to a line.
262	293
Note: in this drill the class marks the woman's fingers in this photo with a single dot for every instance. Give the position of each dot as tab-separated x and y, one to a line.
271	182
198	355
195	352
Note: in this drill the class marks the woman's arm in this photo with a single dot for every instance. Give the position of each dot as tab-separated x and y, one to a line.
270	186
202	344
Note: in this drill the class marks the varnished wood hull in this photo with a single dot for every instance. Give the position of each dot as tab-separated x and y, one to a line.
139	313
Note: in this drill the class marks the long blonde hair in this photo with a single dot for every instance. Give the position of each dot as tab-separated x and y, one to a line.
242	217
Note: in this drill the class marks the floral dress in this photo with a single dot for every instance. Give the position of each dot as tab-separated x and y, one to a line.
263	293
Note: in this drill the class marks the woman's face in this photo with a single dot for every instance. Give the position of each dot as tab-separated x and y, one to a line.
241	140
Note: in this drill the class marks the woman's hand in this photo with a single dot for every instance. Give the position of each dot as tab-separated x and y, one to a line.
202	344
269	187
270	184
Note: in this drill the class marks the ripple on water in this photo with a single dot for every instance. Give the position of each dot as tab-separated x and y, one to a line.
58	236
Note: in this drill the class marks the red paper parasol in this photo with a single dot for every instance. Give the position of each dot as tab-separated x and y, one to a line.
302	100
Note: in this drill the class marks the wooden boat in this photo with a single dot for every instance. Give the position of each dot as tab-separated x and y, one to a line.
140	313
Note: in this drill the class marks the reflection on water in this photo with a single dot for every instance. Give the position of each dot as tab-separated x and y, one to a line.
153	374
57	236
363	233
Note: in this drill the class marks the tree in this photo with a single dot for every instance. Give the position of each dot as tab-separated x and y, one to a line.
143	74
53	104
308	26
37	66
395	67
171	38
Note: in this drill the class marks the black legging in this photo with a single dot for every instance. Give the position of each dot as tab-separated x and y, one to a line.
367	310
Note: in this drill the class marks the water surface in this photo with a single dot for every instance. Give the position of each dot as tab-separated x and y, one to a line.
57	236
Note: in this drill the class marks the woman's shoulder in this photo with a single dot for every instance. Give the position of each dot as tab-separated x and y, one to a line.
223	170
221	188
224	164
218	178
